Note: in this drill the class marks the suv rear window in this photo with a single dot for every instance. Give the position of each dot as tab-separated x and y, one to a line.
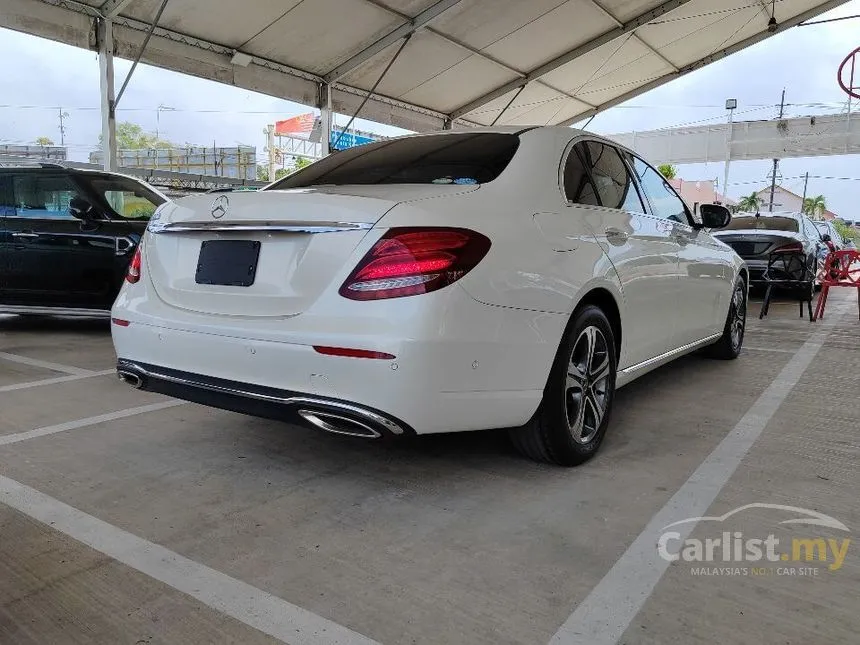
788	224
432	159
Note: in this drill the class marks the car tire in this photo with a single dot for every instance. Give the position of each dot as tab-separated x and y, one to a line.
570	423
729	346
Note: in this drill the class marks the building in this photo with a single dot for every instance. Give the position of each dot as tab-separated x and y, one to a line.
698	192
238	162
39	153
785	200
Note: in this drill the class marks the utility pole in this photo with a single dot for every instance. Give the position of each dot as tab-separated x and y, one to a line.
776	161
63	115
805	184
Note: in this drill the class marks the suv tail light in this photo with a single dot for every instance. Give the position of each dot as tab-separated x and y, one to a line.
134	268
409	261
794	247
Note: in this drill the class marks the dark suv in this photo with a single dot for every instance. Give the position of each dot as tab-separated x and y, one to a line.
67	236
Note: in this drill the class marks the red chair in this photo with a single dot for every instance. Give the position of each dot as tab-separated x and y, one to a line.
841	269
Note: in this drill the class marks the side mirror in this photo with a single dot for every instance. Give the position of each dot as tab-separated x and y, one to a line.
714	216
81	209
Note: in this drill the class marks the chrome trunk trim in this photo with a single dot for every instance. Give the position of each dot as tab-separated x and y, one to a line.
258	226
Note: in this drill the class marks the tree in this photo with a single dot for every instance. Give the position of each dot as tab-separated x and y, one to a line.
815	206
131	136
298	164
263	173
847	232
750	203
668	170
44	141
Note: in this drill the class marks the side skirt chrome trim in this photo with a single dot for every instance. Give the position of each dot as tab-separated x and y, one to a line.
287	400
55	311
675	352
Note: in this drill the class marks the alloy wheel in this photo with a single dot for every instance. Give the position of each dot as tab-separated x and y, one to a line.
586	394
739	316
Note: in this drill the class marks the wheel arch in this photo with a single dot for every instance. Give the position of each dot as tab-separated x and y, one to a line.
604	300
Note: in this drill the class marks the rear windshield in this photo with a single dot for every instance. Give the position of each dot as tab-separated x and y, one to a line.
765	223
433	159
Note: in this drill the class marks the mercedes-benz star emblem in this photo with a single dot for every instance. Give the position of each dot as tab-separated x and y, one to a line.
220	206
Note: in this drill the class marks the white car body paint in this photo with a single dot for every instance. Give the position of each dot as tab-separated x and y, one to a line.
472	355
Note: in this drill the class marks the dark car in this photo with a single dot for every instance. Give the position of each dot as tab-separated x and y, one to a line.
67	236
755	236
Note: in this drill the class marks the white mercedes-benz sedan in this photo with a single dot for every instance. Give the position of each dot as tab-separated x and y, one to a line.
491	278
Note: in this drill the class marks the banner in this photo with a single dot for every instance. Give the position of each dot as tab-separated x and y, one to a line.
297	126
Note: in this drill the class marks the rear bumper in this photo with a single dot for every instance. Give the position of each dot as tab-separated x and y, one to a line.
332	415
460	365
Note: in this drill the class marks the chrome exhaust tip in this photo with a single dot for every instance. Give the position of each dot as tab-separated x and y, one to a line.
338	424
130	378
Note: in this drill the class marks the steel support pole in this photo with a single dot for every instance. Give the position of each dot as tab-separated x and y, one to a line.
108	102
728	157
270	136
325	117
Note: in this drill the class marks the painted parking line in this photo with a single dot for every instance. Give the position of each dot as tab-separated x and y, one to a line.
777	350
88	421
53	381
35	362
254	607
605	614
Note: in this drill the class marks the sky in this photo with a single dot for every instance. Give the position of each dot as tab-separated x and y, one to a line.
803	61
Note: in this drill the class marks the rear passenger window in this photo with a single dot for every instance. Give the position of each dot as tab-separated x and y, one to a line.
7	204
43	195
577	183
614	185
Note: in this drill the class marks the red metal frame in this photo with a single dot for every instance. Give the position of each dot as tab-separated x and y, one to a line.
841	269
850	62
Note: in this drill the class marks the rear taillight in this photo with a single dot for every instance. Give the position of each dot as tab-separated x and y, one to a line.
794	247
134	268
411	261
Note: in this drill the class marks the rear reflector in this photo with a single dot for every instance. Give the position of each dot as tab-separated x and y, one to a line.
352	353
410	261
119	322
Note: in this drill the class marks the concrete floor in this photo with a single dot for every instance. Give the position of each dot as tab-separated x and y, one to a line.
123	520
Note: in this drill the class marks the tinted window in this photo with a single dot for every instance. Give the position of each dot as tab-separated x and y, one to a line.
433	159
126	198
788	224
611	178
665	203
7	204
39	195
577	182
811	232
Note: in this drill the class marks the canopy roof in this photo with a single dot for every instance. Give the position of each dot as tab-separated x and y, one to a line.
466	61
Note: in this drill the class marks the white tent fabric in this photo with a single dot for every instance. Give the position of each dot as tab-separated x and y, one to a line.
467	62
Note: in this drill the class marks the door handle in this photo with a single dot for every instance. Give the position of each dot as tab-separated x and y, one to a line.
26	234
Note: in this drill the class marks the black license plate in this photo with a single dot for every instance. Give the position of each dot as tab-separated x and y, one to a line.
228	262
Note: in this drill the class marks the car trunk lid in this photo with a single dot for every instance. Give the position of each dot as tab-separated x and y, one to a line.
756	244
264	254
